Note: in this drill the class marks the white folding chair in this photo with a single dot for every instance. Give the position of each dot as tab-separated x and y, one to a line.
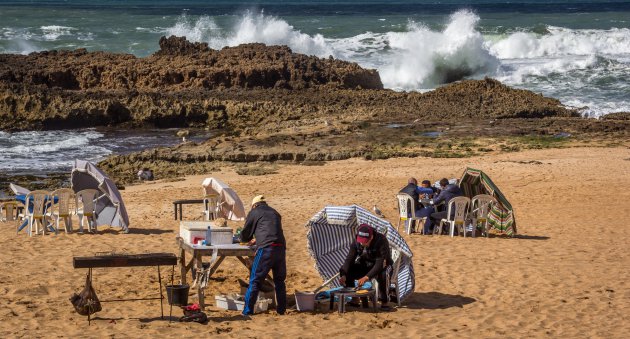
456	214
479	211
211	206
61	209
407	212
37	215
8	211
392	278
85	203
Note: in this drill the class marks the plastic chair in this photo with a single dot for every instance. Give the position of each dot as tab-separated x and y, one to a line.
37	214
479	210
458	209
407	211
8	211
211	206
61	208
85	208
391	281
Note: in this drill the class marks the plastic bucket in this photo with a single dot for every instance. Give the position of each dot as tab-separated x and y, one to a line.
304	301
177	295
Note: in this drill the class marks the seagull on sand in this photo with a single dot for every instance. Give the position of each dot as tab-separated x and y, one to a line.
378	211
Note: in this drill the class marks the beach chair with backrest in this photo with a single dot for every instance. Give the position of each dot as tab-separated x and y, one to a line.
8	210
479	209
456	214
35	210
62	208
85	204
391	281
211	206
406	212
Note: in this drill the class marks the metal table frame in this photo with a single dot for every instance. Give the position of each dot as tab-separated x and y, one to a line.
142	260
244	254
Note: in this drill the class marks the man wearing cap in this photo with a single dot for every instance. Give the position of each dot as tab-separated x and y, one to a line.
368	257
263	228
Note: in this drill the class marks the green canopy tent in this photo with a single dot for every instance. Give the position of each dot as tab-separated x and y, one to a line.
501	215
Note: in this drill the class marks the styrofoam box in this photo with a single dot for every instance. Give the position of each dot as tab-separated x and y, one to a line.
229	302
193	229
221	236
188	230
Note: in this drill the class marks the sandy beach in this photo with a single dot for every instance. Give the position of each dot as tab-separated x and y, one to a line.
564	275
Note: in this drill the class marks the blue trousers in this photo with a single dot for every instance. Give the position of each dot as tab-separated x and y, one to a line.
421	213
426	212
270	258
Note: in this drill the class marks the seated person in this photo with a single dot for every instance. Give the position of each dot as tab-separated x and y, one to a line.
414	191
426	189
368	258
447	192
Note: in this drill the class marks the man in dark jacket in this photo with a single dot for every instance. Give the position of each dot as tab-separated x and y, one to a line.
447	192
414	191
368	257
263	227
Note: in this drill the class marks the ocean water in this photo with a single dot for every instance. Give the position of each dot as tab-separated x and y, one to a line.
576	51
41	152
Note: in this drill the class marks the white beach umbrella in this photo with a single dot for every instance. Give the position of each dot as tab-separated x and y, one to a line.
231	207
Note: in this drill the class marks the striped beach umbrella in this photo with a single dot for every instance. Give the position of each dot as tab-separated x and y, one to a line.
333	230
501	217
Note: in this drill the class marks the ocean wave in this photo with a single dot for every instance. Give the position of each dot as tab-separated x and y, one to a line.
560	42
423	58
199	30
53	32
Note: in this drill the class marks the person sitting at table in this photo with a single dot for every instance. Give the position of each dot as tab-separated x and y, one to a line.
447	192
426	192
421	211
368	258
263	228
426	189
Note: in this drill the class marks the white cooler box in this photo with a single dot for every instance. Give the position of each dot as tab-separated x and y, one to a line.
189	230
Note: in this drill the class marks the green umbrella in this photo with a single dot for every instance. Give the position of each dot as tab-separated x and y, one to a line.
501	216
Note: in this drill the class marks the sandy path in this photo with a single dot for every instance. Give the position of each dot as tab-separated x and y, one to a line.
566	275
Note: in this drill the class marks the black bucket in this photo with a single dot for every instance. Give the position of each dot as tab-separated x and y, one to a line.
177	295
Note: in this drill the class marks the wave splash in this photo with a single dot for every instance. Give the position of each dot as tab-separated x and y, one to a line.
422	58
416	59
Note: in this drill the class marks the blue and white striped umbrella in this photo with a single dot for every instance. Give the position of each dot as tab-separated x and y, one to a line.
333	230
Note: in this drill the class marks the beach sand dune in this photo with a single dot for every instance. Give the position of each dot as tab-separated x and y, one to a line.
564	275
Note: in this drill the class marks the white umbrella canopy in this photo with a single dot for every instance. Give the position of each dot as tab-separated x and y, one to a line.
231	206
333	230
110	208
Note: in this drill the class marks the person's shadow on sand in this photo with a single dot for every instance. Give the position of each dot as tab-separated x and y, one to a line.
435	300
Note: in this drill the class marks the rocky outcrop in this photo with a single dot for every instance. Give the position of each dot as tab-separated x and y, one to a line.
624	116
180	65
248	89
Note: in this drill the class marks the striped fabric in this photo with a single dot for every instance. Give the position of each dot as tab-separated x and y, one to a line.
332	231
501	217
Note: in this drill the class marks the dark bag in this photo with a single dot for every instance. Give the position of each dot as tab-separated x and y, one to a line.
86	302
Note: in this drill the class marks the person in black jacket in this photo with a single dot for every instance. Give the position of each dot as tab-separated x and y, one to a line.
414	191
263	227
447	192
368	258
